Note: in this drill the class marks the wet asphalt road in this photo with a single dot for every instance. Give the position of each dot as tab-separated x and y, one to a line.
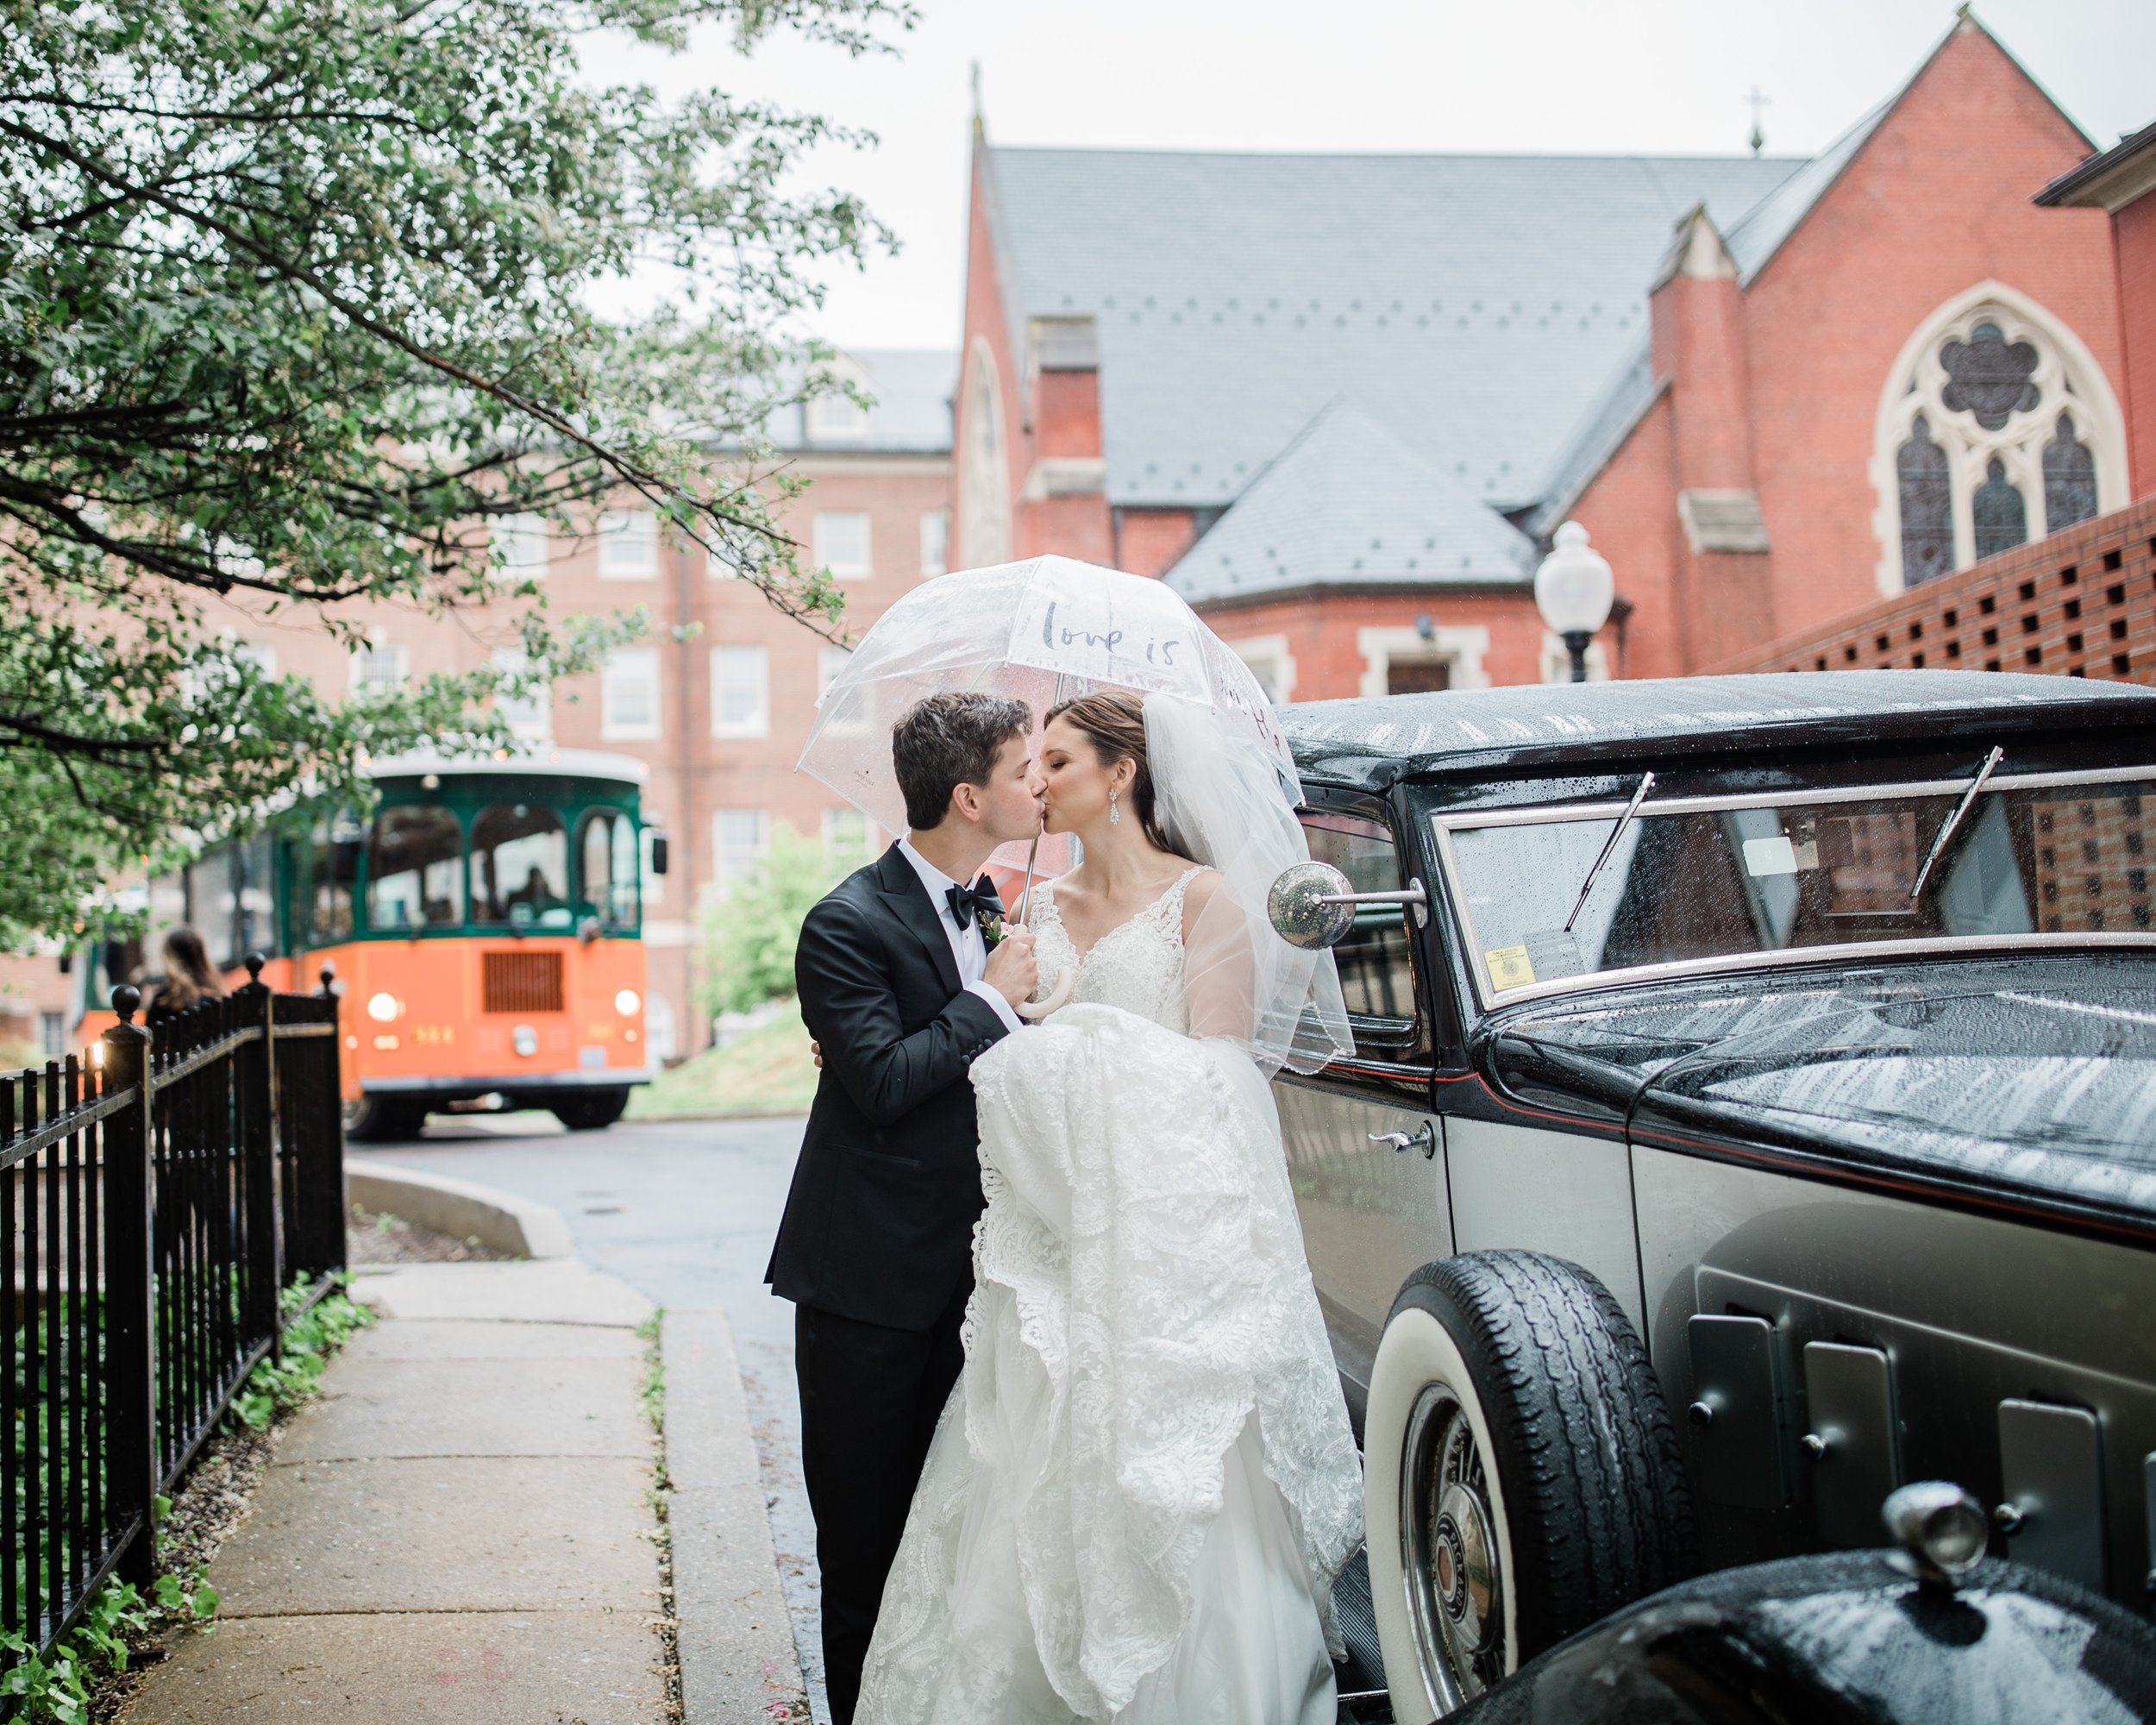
684	1211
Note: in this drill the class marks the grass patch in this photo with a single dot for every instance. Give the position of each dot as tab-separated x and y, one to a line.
768	1071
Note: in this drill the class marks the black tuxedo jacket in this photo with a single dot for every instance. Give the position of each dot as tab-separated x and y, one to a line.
879	1223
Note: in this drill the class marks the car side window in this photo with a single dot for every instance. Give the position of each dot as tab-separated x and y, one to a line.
1376	961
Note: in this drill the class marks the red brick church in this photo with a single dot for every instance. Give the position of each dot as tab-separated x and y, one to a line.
1342	402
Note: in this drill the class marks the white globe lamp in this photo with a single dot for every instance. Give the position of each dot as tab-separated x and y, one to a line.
1574	590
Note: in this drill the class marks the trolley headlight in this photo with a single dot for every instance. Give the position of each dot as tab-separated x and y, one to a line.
525	1040
626	1003
383	1008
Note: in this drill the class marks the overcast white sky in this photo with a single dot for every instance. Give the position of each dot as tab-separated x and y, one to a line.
1554	76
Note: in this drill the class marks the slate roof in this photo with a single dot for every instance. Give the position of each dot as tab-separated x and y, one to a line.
912	390
1350	504
1476	306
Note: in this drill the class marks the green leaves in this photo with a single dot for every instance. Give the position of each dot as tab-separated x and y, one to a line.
294	301
744	951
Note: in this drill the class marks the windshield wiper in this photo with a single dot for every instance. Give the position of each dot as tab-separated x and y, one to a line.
1953	821
1617	832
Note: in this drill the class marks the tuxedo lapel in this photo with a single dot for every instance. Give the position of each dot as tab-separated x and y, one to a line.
902	890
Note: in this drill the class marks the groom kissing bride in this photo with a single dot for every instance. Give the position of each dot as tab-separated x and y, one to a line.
1070	1428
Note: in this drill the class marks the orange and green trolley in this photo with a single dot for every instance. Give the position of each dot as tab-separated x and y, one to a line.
482	928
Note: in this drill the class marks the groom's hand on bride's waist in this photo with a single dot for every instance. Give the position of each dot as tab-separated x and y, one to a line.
1012	970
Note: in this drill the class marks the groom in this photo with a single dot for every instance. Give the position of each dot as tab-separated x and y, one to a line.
900	987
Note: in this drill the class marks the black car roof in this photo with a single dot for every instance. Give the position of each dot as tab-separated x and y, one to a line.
1372	743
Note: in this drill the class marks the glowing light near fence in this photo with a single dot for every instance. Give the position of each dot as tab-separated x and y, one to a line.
626	1003
383	1008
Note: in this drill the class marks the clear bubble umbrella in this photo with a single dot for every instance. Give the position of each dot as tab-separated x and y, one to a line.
1045	631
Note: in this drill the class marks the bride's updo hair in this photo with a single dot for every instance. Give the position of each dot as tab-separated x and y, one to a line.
1113	721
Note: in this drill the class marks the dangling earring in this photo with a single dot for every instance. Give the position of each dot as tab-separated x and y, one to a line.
1115	814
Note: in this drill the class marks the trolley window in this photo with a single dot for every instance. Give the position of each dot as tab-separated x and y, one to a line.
415	854
520	867
608	867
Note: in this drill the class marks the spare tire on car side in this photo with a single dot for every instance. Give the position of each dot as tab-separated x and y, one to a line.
1521	1479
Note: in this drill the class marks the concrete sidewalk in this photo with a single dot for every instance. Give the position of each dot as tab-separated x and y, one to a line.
462	1528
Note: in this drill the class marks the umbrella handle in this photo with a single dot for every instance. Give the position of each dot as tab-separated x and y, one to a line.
1066	985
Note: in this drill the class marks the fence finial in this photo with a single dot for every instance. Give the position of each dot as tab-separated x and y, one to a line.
329	980
125	999
254	961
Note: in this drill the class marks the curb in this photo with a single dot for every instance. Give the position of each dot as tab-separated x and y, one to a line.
518	1226
733	1631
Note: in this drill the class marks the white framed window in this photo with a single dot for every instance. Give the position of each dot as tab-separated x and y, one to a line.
661	1038
1997	427
832	417
264	659
847	838
830	661
842	544
629	694
628	545
519	544
935	542
378	668
739	838
741	692
1556	660
1400	661
529	717
1271	663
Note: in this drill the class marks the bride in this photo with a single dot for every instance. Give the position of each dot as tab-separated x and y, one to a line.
1144	1483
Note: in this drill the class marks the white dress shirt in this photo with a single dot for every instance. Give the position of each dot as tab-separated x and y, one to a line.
969	947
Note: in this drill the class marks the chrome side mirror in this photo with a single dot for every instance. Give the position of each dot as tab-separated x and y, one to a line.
1312	905
1306	906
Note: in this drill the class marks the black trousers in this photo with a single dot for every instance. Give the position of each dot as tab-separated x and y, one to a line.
870	1397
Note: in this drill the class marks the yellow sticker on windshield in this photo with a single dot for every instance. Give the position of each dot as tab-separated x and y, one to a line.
1508	967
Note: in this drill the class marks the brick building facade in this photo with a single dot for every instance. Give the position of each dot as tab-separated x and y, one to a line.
718	698
1774	390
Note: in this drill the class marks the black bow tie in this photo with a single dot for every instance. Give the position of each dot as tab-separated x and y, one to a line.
969	904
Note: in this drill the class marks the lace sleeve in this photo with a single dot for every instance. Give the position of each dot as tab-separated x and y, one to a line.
1219	967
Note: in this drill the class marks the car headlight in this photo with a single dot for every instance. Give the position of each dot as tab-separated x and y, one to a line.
626	1002
382	1008
1940	1526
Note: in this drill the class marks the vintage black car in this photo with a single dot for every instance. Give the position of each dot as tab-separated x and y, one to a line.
1752	1112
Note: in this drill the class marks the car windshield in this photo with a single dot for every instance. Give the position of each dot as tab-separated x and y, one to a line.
1703	880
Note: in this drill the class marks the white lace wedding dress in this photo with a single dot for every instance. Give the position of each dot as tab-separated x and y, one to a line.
1145	1483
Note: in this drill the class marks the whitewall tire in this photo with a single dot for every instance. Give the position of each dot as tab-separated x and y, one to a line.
1521	1478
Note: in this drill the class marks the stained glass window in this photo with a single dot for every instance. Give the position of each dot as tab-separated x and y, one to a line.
1998	431
2001	516
1927	521
1989	377
2070	478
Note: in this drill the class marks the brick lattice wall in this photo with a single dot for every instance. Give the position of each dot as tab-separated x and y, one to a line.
2079	604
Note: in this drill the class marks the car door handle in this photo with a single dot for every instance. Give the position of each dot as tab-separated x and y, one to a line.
1425	1140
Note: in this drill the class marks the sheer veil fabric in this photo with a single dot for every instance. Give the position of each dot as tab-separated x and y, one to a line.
1144	1483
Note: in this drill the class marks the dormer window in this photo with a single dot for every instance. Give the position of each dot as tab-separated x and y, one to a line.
831	414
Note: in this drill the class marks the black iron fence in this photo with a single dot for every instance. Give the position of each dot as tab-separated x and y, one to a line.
153	1200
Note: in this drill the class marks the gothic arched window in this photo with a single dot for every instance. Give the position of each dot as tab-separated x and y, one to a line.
1928	521
2070	478
1997	427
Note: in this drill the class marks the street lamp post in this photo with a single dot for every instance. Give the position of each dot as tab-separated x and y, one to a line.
1573	591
